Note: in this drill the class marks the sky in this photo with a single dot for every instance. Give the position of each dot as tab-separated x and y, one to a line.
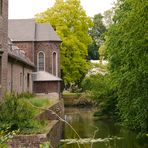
21	9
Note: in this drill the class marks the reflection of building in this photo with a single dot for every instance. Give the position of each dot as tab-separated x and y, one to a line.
41	45
15	67
31	47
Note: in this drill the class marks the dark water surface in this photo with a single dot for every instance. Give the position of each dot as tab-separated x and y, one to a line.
86	125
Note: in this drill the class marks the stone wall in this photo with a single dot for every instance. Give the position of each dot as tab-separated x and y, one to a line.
28	47
53	135
46	87
19	77
48	48
34	141
3	46
57	108
33	48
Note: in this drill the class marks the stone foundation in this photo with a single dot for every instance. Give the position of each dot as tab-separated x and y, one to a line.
53	135
51	114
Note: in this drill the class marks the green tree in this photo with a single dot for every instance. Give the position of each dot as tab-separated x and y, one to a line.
95	32
102	52
127	47
71	23
108	17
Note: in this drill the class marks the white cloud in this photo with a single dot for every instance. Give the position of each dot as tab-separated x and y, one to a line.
28	8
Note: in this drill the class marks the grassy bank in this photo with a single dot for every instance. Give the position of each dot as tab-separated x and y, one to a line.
77	99
19	112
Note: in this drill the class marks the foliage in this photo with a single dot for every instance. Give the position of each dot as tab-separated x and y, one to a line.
77	99
71	23
128	57
17	113
96	33
26	95
108	17
5	136
103	67
102	52
100	88
45	145
39	101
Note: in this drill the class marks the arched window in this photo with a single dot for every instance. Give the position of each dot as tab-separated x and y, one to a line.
54	64
41	61
1	7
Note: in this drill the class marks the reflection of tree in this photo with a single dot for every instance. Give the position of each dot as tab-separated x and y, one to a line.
81	120
85	124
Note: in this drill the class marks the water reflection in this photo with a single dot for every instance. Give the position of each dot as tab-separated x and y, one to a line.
85	124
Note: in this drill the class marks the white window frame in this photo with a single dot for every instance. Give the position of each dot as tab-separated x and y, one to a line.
38	60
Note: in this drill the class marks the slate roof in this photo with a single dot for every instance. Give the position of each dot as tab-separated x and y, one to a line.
44	76
29	30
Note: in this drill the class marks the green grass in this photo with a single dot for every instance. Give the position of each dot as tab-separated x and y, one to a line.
40	101
37	103
39	127
71	95
20	112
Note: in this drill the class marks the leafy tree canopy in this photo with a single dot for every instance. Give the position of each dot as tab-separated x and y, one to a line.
108	17
127	47
71	23
95	32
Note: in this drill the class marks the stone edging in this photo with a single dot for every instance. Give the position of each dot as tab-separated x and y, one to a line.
53	134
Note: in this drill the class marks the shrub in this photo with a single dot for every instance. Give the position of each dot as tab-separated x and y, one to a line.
102	92
16	113
40	101
26	95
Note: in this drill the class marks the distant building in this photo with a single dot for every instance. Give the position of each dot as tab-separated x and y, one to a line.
42	45
29	56
15	67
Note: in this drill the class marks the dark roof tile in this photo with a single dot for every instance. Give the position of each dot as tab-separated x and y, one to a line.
29	30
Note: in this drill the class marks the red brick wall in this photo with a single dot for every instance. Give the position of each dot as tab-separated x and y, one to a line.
46	87
17	77
4	46
28	47
48	48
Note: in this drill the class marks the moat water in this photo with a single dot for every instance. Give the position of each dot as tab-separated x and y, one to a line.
104	133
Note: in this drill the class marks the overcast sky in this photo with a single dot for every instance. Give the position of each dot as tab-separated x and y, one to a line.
28	8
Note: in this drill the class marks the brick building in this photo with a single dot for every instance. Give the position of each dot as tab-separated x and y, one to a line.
19	71
15	67
3	46
41	45
31	48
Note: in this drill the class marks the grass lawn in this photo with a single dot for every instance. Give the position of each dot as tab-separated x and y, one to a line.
37	103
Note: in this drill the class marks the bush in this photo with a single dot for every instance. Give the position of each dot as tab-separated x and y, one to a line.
102	92
16	113
127	47
26	95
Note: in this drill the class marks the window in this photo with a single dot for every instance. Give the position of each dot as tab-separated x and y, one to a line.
28	80
54	64
41	61
1	7
21	79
